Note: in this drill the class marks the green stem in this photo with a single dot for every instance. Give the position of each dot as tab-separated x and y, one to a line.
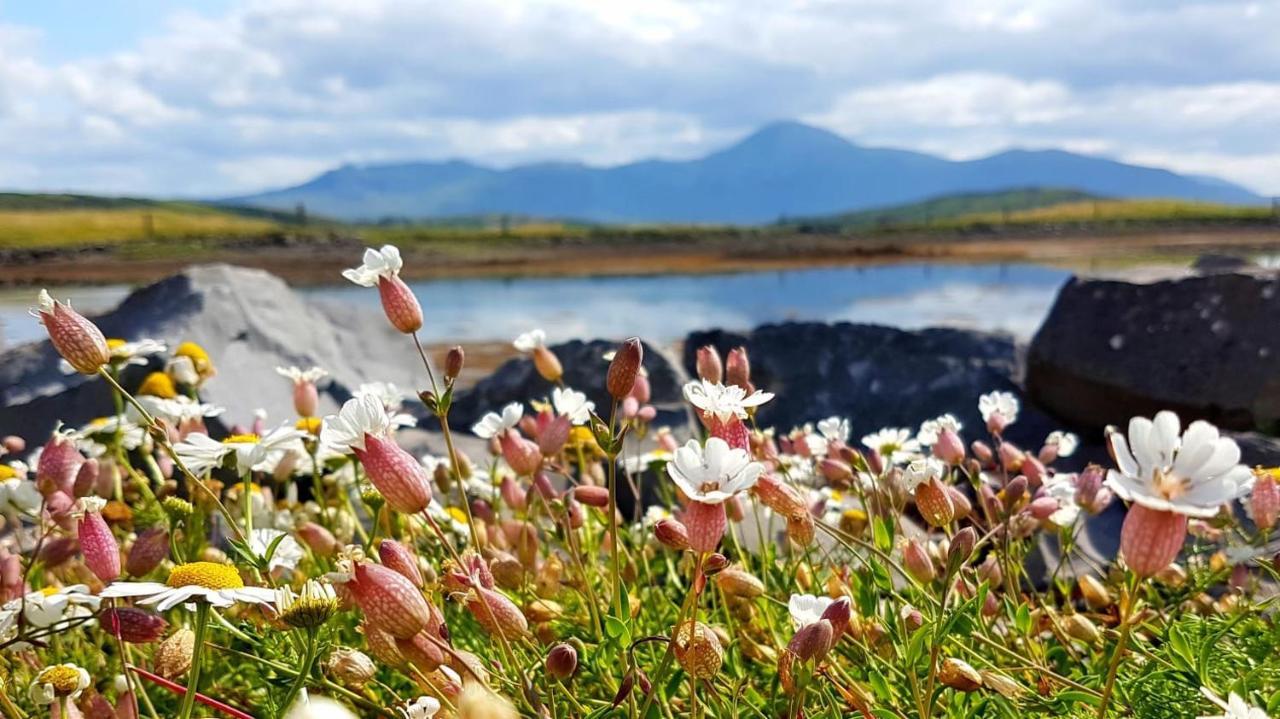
197	652
1126	624
622	612
308	660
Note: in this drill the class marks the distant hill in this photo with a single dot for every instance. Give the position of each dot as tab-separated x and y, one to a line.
786	169
947	207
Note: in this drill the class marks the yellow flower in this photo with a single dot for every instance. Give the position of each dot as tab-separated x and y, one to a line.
158	384
310	425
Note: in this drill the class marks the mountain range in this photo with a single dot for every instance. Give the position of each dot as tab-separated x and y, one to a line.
785	169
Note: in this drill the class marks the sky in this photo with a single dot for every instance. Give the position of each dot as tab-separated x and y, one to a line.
211	98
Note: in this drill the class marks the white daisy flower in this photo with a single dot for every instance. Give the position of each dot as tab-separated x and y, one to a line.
492	424
1001	404
131	434
19	493
201	453
721	401
530	341
572	404
1193	474
1064	442
931	428
176	410
218	584
894	444
806	609
714	473
287	553
378	264
1235	707
58	682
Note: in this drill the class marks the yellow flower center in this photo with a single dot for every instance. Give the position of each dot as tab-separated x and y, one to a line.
457	514
242	439
158	384
194	352
7	472
310	425
49	591
64	679
209	575
238	487
115	343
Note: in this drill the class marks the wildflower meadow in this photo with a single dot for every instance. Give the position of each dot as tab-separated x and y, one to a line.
311	567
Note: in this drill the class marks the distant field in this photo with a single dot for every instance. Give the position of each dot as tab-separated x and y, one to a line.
1107	211
71	228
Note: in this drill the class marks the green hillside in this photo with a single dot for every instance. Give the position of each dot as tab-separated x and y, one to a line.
935	209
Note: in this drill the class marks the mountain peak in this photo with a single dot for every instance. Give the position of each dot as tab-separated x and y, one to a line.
791	134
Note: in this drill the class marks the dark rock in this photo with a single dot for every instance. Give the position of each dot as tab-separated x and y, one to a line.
1203	346
584	370
877	376
1213	263
249	321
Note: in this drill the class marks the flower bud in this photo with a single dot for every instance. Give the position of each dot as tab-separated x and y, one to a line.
1014	491
97	543
131	625
707	364
624	368
934	502
982	452
547	364
522	455
148	550
917	562
592	496
911	618
1079	627
13	444
737	582
714	564
812	641
961	548
1264	503
957	674
320	540
86	478
949	448
990	572
453	362
781	498
839	613
502	616
59	465
1042	507
959	500
1094	592
835	471
399	304
561	661
400	558
671	533
78	340
737	369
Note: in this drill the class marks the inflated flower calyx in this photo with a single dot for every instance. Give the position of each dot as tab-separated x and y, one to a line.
624	368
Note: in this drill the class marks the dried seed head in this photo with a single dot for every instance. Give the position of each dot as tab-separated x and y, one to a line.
957	674
698	650
173	655
736	582
349	667
1094	592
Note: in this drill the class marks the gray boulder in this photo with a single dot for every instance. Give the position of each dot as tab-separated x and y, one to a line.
877	376
1202	345
249	321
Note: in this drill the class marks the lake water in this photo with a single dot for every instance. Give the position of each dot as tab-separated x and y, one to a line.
1007	297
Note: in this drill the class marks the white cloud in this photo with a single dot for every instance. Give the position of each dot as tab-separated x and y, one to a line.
273	90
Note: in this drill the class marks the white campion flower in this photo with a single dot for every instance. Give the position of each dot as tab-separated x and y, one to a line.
1193	474
377	264
572	404
287	553
361	416
392	399
423	707
805	609
894	444
1235	707
318	708
1002	405
201	453
921	470
714	473
1062	488
834	429
298	375
724	402
493	424
218	584
1064	442
530	341
931	428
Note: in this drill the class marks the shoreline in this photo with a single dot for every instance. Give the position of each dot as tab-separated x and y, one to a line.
305	263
